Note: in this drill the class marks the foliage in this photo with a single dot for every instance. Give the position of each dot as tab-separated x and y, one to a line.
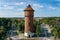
5	25
38	29
54	32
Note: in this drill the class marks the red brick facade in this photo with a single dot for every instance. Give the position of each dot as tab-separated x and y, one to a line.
29	13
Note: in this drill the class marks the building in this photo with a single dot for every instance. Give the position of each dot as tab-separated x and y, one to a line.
29	14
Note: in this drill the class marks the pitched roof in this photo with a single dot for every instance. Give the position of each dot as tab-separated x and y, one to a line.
29	8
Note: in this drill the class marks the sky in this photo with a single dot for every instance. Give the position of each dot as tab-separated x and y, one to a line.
43	8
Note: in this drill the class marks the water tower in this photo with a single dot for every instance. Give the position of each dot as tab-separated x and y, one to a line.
29	14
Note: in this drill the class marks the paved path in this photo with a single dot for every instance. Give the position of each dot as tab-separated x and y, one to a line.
39	38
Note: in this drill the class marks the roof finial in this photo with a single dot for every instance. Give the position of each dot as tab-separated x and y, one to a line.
28	5
29	8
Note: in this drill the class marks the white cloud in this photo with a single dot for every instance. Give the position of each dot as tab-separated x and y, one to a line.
53	8
38	6
20	9
12	5
20	3
11	14
6	6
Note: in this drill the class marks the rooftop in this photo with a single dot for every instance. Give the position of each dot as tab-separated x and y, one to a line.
29	8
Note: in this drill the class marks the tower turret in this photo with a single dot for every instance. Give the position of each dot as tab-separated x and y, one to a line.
28	13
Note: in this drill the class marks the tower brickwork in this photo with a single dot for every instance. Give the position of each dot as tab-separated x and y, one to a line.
29	14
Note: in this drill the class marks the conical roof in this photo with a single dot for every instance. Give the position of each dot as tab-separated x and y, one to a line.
29	8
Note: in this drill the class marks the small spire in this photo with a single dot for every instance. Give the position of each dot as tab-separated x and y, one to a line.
29	8
28	5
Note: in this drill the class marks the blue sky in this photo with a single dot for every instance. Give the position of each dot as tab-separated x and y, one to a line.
43	8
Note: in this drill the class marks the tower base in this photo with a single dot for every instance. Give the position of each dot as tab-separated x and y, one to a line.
26	34
29	34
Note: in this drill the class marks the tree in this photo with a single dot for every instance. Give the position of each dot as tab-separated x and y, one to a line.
35	25
4	27
38	28
54	32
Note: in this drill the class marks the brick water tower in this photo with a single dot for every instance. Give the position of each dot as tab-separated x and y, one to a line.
29	14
